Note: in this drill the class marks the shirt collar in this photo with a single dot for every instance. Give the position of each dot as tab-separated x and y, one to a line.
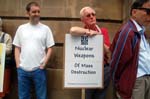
138	27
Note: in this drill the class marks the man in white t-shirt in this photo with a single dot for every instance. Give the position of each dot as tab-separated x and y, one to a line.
33	42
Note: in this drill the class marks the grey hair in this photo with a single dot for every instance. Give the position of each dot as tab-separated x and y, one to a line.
83	9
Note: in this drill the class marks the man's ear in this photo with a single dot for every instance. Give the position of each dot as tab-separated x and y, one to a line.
133	12
82	20
27	14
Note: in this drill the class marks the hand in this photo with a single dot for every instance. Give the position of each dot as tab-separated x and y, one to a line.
42	66
91	33
17	66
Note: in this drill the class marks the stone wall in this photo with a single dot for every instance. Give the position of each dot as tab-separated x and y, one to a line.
60	15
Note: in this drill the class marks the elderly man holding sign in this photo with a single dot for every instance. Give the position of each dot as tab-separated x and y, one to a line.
88	17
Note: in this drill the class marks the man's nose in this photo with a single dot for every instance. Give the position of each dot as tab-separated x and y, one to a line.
37	13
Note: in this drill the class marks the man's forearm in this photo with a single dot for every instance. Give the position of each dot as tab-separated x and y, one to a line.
47	57
107	52
78	31
17	56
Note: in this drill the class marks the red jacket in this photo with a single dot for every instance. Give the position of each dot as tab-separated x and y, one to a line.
124	62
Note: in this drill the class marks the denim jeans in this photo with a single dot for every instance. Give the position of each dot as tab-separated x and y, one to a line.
99	93
25	80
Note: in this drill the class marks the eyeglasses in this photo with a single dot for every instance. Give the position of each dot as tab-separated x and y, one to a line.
90	14
147	10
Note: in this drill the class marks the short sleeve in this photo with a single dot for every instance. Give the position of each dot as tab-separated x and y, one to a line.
16	40
49	38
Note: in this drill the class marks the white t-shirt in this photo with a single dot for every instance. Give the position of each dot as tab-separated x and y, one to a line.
33	41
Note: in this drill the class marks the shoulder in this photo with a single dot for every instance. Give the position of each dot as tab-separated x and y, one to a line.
126	29
43	26
8	35
125	32
104	31
23	26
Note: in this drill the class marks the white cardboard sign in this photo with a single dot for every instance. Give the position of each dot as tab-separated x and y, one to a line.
2	66
83	61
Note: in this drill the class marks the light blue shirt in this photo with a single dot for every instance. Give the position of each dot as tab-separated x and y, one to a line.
144	53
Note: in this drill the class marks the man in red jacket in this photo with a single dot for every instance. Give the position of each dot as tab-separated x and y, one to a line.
88	17
131	55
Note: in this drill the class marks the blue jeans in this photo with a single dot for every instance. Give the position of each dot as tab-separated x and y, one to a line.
25	80
99	93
